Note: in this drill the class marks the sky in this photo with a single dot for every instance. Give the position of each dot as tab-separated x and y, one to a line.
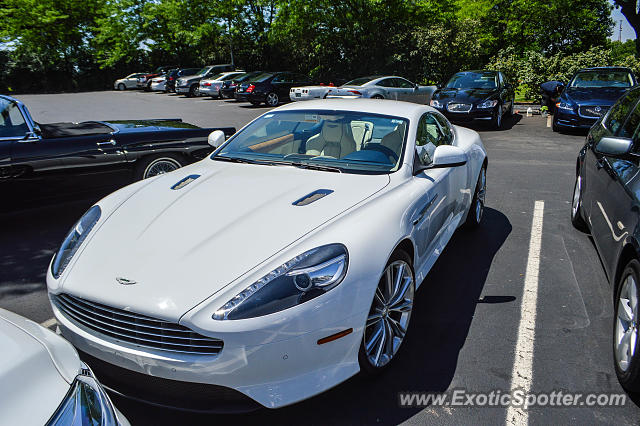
627	31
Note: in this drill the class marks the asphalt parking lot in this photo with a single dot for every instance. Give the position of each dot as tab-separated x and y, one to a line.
466	322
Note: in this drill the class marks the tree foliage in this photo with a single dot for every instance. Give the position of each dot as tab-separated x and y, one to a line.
70	44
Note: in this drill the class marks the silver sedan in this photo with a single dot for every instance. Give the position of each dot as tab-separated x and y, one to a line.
383	87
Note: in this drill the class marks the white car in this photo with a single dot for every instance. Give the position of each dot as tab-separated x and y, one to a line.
211	86
159	84
279	266
129	82
307	93
383	87
43	381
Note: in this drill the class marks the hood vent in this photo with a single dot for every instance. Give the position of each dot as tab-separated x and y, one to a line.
312	197
184	182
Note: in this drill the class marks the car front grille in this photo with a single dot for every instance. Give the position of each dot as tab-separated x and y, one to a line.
593	111
133	328
456	107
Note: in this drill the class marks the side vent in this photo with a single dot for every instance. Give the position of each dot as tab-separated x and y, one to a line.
312	197
184	182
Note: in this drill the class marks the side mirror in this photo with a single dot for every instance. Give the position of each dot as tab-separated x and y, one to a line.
614	147
216	138
443	156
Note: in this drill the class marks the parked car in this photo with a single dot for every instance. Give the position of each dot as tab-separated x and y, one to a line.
269	87
129	82
173	75
357	214
476	95
190	85
589	95
43	381
383	87
606	200
228	89
307	93
212	86
159	84
43	161
144	82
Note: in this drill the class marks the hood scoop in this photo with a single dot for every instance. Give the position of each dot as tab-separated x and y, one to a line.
184	182
312	197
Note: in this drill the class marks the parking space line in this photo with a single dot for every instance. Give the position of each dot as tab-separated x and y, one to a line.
522	373
48	323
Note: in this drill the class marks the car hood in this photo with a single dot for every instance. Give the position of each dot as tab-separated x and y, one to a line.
183	245
594	95
36	369
464	95
134	126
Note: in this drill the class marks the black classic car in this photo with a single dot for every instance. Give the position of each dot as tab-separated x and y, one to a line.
589	95
44	161
475	95
606	202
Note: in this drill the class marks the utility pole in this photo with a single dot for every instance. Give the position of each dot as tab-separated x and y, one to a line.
620	33
230	42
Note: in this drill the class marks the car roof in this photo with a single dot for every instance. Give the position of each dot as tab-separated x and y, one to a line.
605	69
401	109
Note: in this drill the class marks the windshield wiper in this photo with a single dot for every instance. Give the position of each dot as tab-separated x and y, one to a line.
278	163
235	159
321	167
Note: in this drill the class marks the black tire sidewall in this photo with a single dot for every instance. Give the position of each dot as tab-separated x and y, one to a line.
578	221
365	366
144	162
630	379
471	222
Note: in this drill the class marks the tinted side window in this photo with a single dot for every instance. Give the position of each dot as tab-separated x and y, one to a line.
400	82
619	112
11	120
429	136
387	82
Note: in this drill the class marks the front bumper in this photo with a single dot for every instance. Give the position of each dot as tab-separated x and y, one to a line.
571	119
182	89
474	114
274	360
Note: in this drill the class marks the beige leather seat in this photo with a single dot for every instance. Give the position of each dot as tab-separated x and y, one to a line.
393	140
362	132
334	140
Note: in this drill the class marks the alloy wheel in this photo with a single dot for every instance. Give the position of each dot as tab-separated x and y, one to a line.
161	166
626	328
482	193
390	313
272	99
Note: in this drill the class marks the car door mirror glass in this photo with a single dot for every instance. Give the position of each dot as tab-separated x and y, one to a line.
216	138
614	146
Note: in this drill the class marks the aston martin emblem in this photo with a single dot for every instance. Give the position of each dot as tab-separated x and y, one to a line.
126	281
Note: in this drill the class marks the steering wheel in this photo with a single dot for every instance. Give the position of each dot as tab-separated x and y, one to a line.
383	149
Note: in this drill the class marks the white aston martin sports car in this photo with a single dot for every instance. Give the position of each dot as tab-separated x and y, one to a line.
383	87
278	267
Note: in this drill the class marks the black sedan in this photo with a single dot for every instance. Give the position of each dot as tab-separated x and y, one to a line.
606	202
475	95
228	89
45	161
270	87
589	95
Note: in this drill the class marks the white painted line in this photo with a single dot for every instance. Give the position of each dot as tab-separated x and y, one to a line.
522	373
48	323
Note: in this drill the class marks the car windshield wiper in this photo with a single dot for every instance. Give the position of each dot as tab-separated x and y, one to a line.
234	159
321	167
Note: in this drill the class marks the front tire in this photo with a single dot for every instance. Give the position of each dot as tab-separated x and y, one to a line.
388	319
121	87
625	328
194	91
158	164
476	210
576	206
496	121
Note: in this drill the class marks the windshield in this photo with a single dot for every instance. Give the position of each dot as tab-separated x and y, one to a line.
346	141
361	81
473	80
602	78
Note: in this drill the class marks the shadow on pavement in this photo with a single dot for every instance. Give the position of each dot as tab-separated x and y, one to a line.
444	310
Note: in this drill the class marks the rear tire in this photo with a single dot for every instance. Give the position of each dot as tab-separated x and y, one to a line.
272	99
155	165
388	319
626	350
377	97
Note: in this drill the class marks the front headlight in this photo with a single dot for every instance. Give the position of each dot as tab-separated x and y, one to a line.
74	239
565	105
86	403
436	103
297	281
488	104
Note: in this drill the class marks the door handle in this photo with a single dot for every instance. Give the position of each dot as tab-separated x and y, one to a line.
105	143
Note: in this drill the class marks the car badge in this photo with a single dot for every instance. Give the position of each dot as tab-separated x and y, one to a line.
597	109
126	281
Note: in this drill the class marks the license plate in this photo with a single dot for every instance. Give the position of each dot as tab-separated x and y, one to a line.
298	95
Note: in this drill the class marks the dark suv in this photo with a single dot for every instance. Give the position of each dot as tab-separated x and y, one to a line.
190	85
270	87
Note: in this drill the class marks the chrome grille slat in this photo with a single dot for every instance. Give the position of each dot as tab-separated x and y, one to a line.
459	107
87	318
593	111
137	329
